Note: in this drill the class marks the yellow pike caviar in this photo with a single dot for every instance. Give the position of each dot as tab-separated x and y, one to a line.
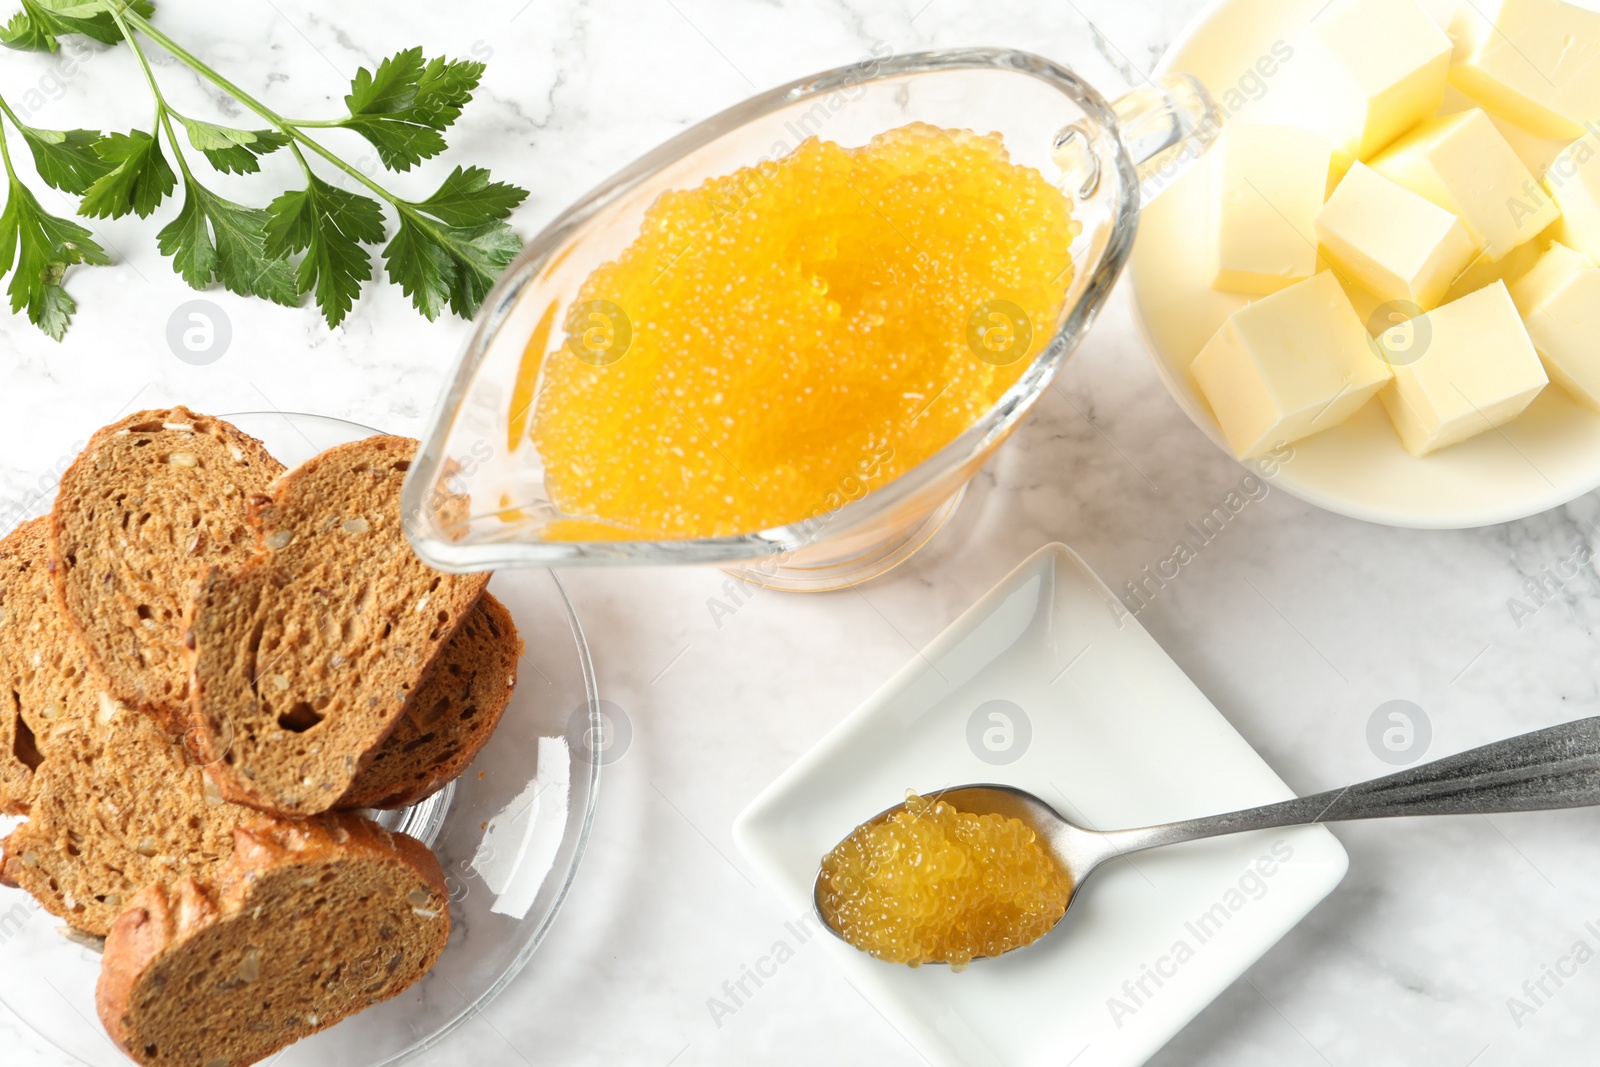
785	338
934	885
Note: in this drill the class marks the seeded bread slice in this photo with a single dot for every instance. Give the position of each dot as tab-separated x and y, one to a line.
450	718
46	689
153	502
118	805
305	657
308	923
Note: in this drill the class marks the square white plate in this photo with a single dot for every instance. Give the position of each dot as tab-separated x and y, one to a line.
1102	724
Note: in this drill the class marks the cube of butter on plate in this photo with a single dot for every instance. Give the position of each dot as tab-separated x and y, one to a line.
1289	365
1560	304
1475	369
1535	62
1389	68
1396	243
1573	181
1267	185
1466	166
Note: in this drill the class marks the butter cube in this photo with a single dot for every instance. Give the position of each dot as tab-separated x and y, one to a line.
1560	304
1289	365
1484	271
1536	62
1389	68
1573	182
1476	370
1463	164
1550	273
1269	182
1389	239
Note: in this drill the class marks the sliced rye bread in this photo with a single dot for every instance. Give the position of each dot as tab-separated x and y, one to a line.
154	500
451	716
122	806
304	658
113	803
47	691
309	922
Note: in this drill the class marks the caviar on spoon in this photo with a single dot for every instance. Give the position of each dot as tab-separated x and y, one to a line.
979	870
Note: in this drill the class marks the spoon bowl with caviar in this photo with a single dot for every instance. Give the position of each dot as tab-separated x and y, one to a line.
784	341
976	871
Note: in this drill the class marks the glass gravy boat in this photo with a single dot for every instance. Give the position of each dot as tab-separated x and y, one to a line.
1107	158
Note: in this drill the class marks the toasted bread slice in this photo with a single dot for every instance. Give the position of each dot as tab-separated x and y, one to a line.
114	803
306	656
307	923
451	716
46	688
153	502
118	805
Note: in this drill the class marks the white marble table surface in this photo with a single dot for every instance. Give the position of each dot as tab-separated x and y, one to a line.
1297	623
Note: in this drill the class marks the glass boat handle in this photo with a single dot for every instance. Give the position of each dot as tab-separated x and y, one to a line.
1558	767
1165	127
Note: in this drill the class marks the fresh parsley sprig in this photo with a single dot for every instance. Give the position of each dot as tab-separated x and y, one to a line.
39	245
447	249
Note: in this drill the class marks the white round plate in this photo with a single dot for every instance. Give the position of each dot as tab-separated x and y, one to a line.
1547	457
544	739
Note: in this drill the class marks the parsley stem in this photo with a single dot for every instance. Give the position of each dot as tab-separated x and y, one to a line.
5	151
300	158
163	116
144	65
407	210
177	152
5	109
193	62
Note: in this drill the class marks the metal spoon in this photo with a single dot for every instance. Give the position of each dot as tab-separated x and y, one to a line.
1557	767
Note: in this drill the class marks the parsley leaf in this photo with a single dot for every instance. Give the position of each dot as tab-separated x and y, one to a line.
36	27
41	247
400	145
26	35
139	178
232	151
329	225
469	198
453	246
213	238
403	106
448	265
65	159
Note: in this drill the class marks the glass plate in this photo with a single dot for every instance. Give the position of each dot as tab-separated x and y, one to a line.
48	981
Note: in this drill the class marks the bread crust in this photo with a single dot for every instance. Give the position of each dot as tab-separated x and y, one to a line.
268	842
158	917
164	918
